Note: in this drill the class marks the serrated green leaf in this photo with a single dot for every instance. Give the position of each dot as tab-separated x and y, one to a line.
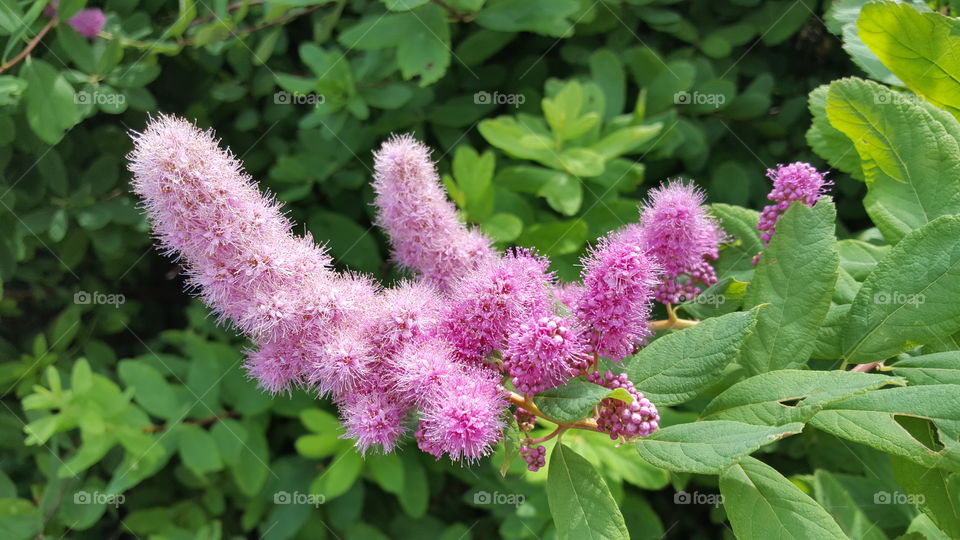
779	397
762	504
709	446
572	401
911	296
936	368
678	366
580	501
796	277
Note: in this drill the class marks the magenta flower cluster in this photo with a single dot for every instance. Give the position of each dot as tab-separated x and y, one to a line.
794	182
436	356
87	22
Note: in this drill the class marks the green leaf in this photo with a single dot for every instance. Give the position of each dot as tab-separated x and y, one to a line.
511	443
502	227
425	53
474	174
762	504
917	47
19	519
580	501
416	496
937	368
710	446
564	193
736	256
796	277
50	101
547	17
779	397
935	492
252	467
910	298
678	366
572	401
556	238
403	5
607	71
870	419
859	258
833	496
151	390
198	449
348	242
340	475
387	471
626	140
910	161
827	141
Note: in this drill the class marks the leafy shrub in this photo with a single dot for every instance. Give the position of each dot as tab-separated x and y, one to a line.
136	427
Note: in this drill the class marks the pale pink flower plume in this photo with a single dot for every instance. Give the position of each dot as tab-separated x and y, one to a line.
420	221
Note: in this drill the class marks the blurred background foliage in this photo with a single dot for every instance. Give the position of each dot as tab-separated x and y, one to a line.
126	410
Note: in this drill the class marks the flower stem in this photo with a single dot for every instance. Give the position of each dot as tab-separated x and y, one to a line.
866	368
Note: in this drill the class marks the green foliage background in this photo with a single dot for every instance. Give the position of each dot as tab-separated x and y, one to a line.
153	406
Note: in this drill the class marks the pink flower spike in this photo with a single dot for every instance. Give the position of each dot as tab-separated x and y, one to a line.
421	223
619	277
373	417
797	181
683	237
238	252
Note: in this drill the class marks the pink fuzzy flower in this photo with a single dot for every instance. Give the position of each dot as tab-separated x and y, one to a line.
464	420
683	237
797	181
421	368
545	352
488	304
88	22
405	314
238	251
373	417
422	224
618	282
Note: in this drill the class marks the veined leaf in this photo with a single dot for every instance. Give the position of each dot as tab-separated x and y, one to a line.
710	446
678	366
580	501
910	298
937	368
796	275
762	504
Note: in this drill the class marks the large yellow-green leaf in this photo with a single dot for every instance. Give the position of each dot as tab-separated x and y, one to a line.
910	160
922	49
